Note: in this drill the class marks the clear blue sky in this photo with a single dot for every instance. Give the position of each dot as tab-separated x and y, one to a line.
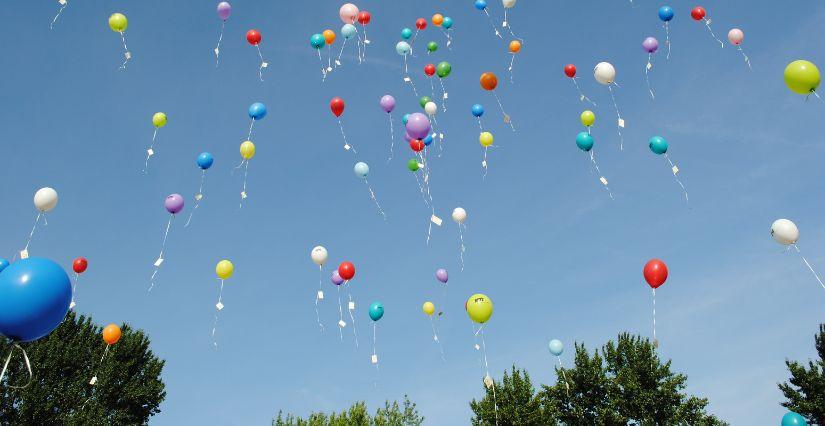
558	258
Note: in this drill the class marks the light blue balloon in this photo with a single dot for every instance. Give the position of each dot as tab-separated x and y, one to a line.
405	118
403	48
34	298
317	41
257	111
658	145
584	141
448	23
481	4
428	140
793	419
361	169
665	13
348	30
406	33
556	347
376	311
477	110
205	160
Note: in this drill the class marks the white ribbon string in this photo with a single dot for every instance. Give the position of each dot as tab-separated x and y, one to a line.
489	18
74	290
126	54
374	199
707	24
487	372
159	261
444	94
432	87
405	66
218	47
675	170
341	323
198	198
619	120
435	337
350	308
31	234
484	164
602	179
564	377
510	69
245	174
392	138
150	152
809	266
251	125
374	338
462	249
408	79
323	69
263	63
648	67
63	4
421	189
347	146
582	97
747	60
667	39
506	116
317	298
341	52
219	307
28	367
329	58
655	341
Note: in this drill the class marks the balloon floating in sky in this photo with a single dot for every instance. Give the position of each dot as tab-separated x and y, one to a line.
786	233
735	37
658	145
158	121
556	348
489	82
336	105
585	142
224	10
570	72
387	104
698	13
118	24
802	77
346	271
793	419
376	312
459	217
204	162
605	74
317	42
348	31
650	45
508	4
111	334
666	15
442	70
319	256
224	269
429	309
348	13
364	19
253	37
478	110
256	112
443	23
479	308
482	6
79	266
514	47
174	205
361	169
655	273
45	200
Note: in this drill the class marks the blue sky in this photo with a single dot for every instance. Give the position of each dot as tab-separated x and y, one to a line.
558	258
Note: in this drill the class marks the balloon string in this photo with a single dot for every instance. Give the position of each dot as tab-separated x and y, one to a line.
249	135
667	39
674	169
341	323
647	72
64	3
374	199
243	191
435	337
323	70
408	79
374	333
582	97
219	307
160	256
599	172
392	138
74	289
218	47
347	146
432	87
126	53
412	43
329	58
747	60
317	298
654	316
28	367
420	189
509	27
487	369
479	125
263	63
444	94
150	152
463	248
707	24
99	366
350	308
31	234
510	69
338	60
619	121
198	198
490	19
506	116
809	266
564	377
484	164
405	67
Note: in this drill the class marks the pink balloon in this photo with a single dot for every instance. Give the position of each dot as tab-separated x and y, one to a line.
348	13
735	36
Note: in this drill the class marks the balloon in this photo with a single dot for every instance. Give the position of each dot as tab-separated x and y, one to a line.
418	125
336	105
348	31
224	269
665	13
423	101
118	22
111	334
698	13
376	311
784	232
405	118
428	308
387	103
481	4
253	37
485	139
346	270
34	298
488	81
570	70
604	73
802	77
459	215
429	69
336	278
437	19
479	308
348	13
317	41
650	45
428	140
735	36
430	108
432	46
224	10
247	150
508	4
515	46
364	17
584	141
406	33
173	203
45	199
443	69
556	347
477	110
319	255
793	419
655	273
442	275
421	23
159	119
448	22
361	169
402	48
205	160
79	265
412	166
329	36
588	118
257	111
658	145
4	264
417	145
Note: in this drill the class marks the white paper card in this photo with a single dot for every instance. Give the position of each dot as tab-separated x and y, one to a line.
63	2
407	79
337	62
243	194
436	220
506	118
219	305
621	123
264	64
675	170
420	166
150	151
217	51
581	98
603	180
435	337
477	346
329	69
484	163
341	323
320	295
24	254
446	95
504	24
708	21
488	381
351	306
93	381
347	147
374	359
366	41
649	65
198	197
159	261
72	305
128	55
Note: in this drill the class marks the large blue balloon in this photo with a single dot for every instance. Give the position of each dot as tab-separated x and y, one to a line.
658	145
584	141
481	4
448	23
665	13
793	419
34	298
556	347
376	311
3	264
477	110
257	111
205	160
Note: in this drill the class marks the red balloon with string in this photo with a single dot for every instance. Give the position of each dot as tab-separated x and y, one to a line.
698	13
421	23
570	70
337	106
417	145
346	270
429	69
364	17
253	37
655	273
79	265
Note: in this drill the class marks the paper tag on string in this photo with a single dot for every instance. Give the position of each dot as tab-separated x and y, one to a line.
347	147
341	323
406	79
441	136
603	180
24	254
62	2
708	21
217	51
351	306
198	197
446	95
621	123
420	166
219	305
506	118
366	41
337	63
159	261
243	194
150	151
484	163
488	382
435	338
675	170
374	359
264	64
504	24
128	55
72	305
477	346
93	381
320	295
649	65
329	69
436	220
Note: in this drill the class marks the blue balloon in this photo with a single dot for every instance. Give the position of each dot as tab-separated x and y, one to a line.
448	23
376	311
406	33
481	4
556	347
205	160
348	30
584	141
405	118
257	111
3	264
428	140
793	419
658	145
403	48
317	41
665	13
361	169
34	298
478	110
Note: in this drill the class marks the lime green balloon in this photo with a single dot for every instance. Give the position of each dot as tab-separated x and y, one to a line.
412	165
802	77
432	46
479	307
159	119
118	22
588	118
443	69
423	101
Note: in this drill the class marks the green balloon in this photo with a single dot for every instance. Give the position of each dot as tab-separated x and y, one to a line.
443	69
802	77
423	101
412	165
432	46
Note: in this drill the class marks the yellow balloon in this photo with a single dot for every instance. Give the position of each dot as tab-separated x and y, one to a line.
428	308
479	308
118	22
247	150
588	118
485	139
224	269
802	77
159	119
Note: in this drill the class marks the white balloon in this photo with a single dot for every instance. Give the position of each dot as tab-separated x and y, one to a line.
459	215
508	3
605	73
430	108
45	199
319	255
784	232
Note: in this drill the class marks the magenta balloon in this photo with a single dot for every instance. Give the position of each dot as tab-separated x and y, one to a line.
336	279
650	45
173	203
418	125
224	10
387	103
441	275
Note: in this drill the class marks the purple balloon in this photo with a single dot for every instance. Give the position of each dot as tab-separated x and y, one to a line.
407	137
336	279
442	275
173	203
418	125
387	103
224	10
650	45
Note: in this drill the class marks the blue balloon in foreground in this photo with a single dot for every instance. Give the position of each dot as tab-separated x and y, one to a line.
481	4
477	110
584	141
3	264
257	111
376	311
793	419
34	298
205	160
665	13
556	347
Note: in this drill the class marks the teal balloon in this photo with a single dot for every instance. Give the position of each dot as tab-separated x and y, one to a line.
405	118
556	347
403	48
793	419
584	141
448	23
348	31
658	145
317	41
406	33
361	169
376	311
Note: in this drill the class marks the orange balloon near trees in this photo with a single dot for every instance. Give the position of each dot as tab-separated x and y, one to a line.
111	334
489	81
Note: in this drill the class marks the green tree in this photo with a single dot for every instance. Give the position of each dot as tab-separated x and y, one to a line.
392	414
128	391
513	401
806	391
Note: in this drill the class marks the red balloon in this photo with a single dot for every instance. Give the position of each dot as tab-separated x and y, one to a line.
364	17
253	37
346	270
570	70
337	106
417	145
655	273
80	264
421	23
698	13
429	69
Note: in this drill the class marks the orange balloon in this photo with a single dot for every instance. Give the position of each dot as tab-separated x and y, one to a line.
515	46
489	81
329	36
111	334
437	19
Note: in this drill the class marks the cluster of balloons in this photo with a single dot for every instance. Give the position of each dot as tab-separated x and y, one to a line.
655	273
